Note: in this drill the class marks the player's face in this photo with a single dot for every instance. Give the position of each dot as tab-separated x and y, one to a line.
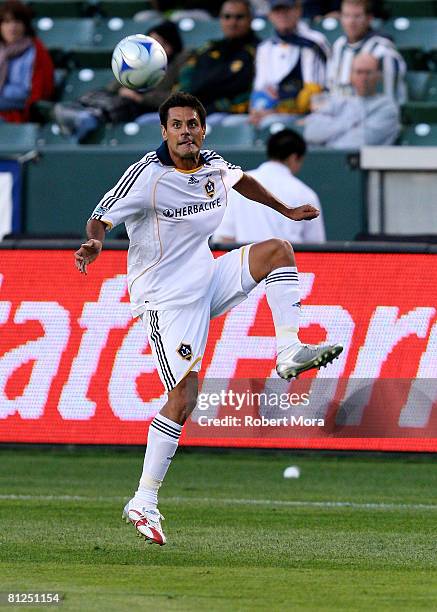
184	133
355	21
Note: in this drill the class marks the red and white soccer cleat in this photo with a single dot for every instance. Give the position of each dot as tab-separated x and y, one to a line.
146	522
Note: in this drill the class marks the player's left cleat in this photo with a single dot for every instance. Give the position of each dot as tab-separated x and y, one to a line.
292	362
146	522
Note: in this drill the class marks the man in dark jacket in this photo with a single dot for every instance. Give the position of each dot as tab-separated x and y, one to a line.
221	72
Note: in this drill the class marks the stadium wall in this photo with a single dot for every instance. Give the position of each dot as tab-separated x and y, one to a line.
63	185
76	368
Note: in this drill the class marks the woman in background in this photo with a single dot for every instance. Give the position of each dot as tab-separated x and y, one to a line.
26	69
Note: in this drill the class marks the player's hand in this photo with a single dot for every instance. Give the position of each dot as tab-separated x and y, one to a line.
88	252
303	213
124	92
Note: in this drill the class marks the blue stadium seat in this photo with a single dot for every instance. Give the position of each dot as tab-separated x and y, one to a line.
65	34
330	27
242	134
421	135
417	84
419	112
148	135
416	39
81	81
196	33
108	32
18	137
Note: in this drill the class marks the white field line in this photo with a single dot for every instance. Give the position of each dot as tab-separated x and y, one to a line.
232	502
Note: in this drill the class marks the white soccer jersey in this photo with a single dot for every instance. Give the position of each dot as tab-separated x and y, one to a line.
169	216
393	66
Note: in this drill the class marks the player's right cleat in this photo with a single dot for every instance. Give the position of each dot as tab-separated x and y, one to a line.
146	522
292	362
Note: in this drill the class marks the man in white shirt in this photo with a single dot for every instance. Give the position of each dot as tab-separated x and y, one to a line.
246	221
290	66
171	201
356	18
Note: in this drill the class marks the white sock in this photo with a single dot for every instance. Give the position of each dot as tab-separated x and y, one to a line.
162	443
283	296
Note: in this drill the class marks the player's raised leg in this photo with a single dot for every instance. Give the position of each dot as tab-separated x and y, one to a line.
274	261
162	442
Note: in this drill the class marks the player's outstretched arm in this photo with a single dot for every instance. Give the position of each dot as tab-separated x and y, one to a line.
90	250
253	190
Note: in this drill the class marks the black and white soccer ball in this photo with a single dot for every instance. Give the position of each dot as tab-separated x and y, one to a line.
139	62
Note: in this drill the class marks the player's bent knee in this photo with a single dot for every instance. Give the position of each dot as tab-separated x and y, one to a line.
182	400
282	252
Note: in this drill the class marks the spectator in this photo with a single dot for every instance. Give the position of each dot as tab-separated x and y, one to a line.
356	18
367	118
221	73
247	221
26	69
118	104
290	66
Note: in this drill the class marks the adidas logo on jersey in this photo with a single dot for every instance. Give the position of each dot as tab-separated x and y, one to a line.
193	181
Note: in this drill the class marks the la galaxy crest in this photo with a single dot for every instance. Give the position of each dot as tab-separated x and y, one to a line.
210	188
185	351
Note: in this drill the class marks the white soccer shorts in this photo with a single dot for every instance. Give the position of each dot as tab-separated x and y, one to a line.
178	337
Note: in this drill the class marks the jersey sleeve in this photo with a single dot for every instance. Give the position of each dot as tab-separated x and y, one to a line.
231	174
129	197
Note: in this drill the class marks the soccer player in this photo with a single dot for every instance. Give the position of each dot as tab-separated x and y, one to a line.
171	202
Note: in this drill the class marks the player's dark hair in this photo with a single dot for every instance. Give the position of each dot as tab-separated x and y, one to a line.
185	100
20	12
284	143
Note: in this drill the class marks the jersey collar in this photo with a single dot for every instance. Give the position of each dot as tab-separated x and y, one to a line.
165	159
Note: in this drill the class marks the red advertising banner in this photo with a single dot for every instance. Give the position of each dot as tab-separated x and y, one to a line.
76	368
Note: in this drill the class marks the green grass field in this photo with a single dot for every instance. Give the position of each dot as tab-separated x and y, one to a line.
353	533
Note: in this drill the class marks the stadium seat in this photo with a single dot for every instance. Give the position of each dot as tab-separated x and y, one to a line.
148	135
196	33
330	27
419	135
262	27
81	81
417	83
264	134
109	32
65	34
18	136
120	8
58	8
222	135
419	112
416	39
411	8
50	134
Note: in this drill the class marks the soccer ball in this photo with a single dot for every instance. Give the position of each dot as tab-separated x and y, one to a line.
139	62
